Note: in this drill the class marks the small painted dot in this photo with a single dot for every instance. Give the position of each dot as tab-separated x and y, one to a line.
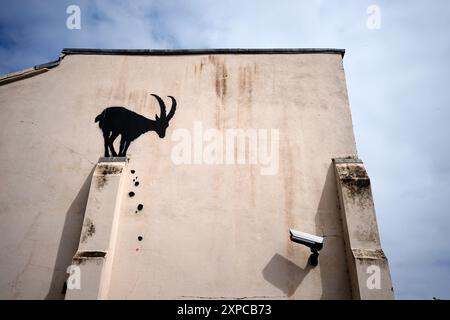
136	183
131	194
140	238
140	207
132	171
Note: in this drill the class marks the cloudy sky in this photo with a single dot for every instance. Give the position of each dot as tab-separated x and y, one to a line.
397	79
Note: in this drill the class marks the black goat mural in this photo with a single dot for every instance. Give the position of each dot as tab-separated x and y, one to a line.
115	121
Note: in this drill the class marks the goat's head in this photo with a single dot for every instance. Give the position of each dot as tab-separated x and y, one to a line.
162	122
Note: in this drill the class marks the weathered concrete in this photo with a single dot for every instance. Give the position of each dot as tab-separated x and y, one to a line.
368	266
97	246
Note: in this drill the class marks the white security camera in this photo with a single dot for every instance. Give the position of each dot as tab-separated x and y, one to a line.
315	243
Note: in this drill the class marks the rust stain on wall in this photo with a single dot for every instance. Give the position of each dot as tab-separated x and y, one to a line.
119	90
220	85
202	64
221	80
244	114
245	87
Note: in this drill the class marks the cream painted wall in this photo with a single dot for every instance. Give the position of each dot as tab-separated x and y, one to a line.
208	230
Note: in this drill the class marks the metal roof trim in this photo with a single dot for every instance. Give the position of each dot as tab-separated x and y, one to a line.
68	51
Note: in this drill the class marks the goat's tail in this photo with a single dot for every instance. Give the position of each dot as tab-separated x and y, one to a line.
100	116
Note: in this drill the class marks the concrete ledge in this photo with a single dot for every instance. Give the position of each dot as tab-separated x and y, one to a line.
347	160
112	159
375	254
368	266
96	249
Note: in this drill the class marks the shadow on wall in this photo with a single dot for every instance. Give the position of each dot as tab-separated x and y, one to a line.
332	260
69	240
284	274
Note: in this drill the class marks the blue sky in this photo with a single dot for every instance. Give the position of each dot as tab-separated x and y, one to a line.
397	79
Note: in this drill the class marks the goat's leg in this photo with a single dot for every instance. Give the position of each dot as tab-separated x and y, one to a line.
127	144
111	143
106	138
122	146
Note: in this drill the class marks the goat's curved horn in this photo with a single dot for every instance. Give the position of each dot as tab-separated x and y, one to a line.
172	109
162	105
